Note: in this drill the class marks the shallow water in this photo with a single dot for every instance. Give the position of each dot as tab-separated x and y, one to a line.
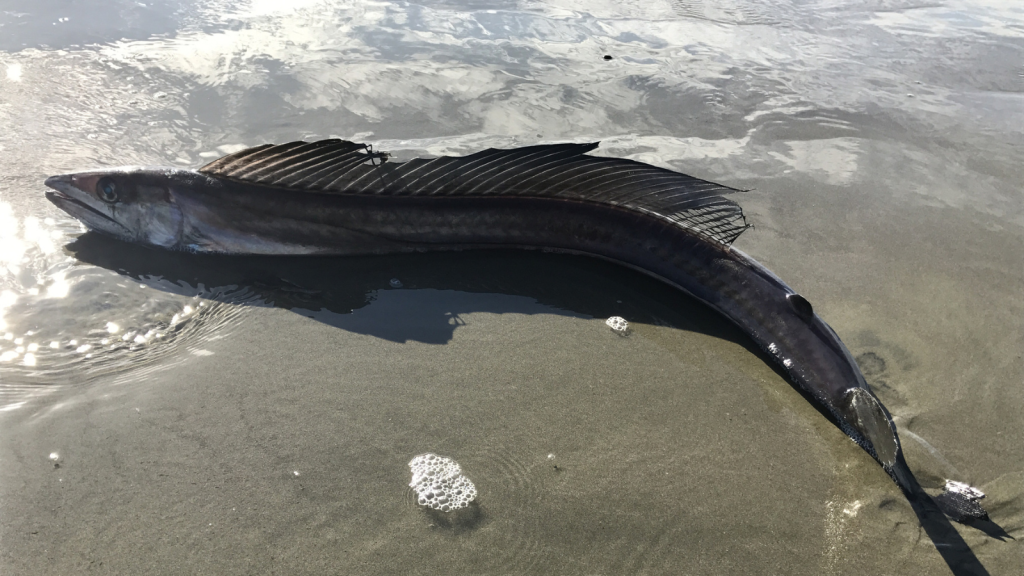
257	415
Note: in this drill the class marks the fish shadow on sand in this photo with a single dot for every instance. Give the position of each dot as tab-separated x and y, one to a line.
436	289
991	528
331	289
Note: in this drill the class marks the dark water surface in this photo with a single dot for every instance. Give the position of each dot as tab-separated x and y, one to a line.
166	413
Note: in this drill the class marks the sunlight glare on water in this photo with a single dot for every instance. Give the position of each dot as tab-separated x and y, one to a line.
46	332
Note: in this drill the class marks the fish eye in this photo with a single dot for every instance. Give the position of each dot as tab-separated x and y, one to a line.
106	188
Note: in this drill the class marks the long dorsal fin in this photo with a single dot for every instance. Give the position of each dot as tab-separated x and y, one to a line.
544	171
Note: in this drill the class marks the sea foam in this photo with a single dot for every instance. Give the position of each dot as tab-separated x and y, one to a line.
618	324
439	483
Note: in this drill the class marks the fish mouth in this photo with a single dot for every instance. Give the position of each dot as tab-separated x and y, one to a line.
63	197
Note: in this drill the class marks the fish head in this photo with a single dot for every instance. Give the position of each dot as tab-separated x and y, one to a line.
132	204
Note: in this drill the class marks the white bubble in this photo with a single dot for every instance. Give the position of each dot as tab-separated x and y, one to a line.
14	72
33	347
54	456
112	328
54	344
29	359
439	483
618	324
83	348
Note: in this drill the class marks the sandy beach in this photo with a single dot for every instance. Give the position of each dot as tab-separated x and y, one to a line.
178	414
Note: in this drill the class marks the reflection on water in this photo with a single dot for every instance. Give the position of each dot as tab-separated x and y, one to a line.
881	138
736	91
58	318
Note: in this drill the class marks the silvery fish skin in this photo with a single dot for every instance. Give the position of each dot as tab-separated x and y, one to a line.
337	197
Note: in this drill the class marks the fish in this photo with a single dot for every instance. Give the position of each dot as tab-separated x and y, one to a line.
335	197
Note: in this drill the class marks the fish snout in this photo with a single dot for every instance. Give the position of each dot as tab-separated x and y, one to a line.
61	183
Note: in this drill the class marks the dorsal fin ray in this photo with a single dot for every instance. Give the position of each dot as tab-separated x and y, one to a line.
544	171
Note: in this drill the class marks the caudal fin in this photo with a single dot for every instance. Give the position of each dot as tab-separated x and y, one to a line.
961	502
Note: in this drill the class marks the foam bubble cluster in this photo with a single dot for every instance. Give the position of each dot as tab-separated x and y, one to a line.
439	483
618	324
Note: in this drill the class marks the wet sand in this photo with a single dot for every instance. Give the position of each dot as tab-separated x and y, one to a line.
282	447
670	449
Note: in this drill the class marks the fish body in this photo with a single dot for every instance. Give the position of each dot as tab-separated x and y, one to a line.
337	197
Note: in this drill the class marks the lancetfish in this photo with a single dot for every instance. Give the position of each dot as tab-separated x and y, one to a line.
343	198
